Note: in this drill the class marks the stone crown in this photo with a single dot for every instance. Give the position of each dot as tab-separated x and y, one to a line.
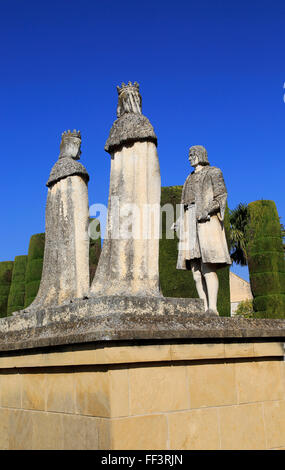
68	133
125	87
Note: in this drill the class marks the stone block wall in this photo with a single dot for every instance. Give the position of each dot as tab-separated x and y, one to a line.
190	395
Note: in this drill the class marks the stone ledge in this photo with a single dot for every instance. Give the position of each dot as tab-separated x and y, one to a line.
104	354
125	318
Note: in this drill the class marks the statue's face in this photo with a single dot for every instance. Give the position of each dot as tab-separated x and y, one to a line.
193	158
70	147
129	102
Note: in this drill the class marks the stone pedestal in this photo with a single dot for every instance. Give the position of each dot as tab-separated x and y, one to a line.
162	376
212	393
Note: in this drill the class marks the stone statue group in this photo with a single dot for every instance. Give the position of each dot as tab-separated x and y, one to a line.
129	267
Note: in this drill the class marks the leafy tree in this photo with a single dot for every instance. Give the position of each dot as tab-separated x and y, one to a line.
245	309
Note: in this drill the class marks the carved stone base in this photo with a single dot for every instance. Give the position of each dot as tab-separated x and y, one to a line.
126	318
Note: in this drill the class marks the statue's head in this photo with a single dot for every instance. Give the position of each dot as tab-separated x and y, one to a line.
198	155
129	99
70	145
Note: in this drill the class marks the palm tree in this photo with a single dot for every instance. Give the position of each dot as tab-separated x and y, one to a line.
238	223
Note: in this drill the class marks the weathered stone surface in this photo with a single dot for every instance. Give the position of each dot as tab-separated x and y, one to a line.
67	164
128	264
131	125
66	167
204	193
127	318
128	129
66	257
129	99
203	245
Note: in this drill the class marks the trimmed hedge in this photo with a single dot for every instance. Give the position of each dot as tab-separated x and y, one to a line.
34	267
266	260
267	305
16	300
224	295
179	283
266	245
174	282
6	268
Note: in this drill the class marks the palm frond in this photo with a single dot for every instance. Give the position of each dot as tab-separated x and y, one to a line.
238	224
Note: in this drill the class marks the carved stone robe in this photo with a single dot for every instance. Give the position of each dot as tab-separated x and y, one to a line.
204	193
128	264
65	274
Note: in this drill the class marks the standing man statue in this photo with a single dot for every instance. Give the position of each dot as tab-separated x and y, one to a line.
203	246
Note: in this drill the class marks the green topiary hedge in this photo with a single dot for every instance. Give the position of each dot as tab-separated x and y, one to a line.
174	282
224	295
266	260
6	268
179	283
16	300
34	267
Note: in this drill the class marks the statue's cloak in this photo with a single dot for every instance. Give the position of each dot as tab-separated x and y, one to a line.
128	263
203	192
65	274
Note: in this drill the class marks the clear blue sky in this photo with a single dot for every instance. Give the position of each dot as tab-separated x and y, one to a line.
210	73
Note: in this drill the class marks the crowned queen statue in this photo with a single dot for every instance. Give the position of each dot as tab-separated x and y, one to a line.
65	274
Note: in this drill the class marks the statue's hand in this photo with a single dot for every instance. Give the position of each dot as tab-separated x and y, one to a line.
175	226
203	216
214	207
